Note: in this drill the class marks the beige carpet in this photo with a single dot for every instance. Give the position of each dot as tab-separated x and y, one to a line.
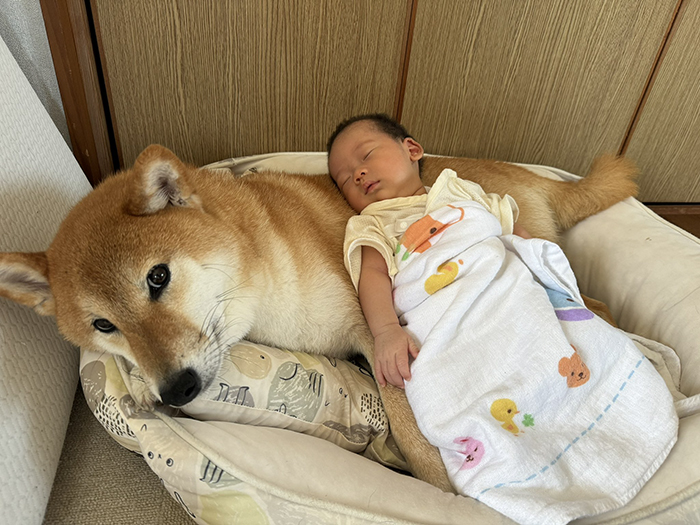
101	483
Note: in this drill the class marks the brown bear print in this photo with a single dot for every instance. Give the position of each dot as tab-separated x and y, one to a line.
574	370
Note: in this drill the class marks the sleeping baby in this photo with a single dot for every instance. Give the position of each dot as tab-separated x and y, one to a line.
539	408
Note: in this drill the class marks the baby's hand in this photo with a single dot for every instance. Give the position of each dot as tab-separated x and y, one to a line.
391	349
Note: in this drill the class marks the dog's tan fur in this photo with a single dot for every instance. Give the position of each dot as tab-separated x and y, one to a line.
258	257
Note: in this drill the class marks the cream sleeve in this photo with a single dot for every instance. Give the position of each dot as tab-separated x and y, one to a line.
365	231
505	209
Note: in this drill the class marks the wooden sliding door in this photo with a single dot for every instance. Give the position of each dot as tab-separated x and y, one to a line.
552	82
216	79
666	141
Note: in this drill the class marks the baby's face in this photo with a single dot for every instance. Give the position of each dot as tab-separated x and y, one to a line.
369	165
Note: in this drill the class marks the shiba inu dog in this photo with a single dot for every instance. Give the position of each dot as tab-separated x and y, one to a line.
167	266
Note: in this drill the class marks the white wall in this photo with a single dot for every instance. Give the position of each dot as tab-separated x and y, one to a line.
22	28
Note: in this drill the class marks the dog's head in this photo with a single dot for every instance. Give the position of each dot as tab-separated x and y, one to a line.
137	270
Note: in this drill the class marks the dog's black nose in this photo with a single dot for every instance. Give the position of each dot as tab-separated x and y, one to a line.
181	388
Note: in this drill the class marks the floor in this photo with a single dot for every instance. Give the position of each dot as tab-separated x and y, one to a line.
101	483
686	217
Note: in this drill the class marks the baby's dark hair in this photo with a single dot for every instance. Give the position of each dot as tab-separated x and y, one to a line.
382	121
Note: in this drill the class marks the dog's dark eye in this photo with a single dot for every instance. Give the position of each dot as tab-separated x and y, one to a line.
104	326
158	279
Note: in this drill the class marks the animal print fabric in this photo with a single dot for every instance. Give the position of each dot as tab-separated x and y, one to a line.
334	400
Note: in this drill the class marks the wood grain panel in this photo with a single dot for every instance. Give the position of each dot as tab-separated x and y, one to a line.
666	141
543	81
686	216
68	31
215	79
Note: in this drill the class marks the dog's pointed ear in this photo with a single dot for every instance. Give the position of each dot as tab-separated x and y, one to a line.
24	278
159	181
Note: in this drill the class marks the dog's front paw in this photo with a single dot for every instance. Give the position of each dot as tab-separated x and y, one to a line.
136	385
142	395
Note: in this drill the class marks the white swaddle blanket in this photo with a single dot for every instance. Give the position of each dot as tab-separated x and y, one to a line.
540	409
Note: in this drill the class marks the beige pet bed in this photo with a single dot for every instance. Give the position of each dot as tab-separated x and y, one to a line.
287	437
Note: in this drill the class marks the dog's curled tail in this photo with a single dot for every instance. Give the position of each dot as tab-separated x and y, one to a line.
610	180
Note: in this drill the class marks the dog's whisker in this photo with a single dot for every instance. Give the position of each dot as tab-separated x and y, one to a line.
210	267
229	291
207	265
220	332
232	339
206	322
210	320
236	297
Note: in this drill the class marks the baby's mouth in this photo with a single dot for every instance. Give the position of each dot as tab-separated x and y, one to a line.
369	186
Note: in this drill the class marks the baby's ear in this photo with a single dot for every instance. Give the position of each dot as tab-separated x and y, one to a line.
159	181
415	150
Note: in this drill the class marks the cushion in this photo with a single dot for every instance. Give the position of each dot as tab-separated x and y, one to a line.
39	182
332	399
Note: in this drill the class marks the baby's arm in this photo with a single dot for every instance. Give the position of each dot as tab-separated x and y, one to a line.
391	342
521	232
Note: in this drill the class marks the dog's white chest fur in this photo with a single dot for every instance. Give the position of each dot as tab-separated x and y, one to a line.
303	307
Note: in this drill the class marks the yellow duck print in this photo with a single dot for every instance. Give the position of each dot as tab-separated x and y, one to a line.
447	272
504	410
